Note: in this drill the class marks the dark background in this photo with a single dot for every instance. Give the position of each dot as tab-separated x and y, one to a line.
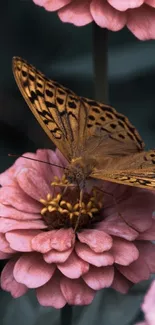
64	53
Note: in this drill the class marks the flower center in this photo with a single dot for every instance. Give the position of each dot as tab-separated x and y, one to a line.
63	210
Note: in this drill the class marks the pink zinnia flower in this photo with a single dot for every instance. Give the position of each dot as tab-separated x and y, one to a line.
148	306
37	235
137	15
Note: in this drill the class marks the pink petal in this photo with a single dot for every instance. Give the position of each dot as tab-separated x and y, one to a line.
99	277
27	163
8	283
97	240
74	267
20	240
55	158
55	4
148	305
60	240
54	256
14	196
150	3
4	245
31	270
45	170
120	283
77	13
7	224
122	5
117	227
50	294
136	271
40	3
8	212
76	292
8	177
147	250
33	184
97	259
124	252
62	160
135	207
149	234
141	22
5	256
106	16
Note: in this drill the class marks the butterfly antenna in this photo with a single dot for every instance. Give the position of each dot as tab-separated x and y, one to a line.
38	160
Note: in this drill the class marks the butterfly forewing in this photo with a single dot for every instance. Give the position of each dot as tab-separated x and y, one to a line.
57	109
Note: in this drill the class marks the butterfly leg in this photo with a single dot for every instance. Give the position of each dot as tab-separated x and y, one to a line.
80	208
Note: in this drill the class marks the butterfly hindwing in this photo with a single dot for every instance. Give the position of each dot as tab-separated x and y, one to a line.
136	170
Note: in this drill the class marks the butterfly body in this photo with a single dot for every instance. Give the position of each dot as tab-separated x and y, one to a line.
97	141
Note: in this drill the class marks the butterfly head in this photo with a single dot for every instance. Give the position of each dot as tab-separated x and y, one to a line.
78	171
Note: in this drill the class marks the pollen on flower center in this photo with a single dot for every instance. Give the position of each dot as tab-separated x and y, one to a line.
63	210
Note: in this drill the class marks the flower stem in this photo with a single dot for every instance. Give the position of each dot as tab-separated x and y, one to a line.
100	63
66	315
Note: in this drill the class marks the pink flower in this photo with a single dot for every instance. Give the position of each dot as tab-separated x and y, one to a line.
148	306
137	15
37	236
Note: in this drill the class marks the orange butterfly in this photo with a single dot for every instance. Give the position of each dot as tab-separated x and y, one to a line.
97	141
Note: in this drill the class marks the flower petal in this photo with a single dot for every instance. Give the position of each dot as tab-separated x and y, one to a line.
5	256
8	212
50	294
134	201
8	282
97	259
54	256
31	270
14	196
77	13
116	227
106	16
149	234
7	224
150	3
124	252
4	245
120	283
148	305
33	184
98	241
122	5
141	22
20	240
74	267
60	240
99	277
76	292
147	250
55	4
136	271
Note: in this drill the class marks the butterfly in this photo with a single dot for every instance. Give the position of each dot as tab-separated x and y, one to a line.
97	141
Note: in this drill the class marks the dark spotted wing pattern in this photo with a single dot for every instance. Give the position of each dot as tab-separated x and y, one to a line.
77	126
